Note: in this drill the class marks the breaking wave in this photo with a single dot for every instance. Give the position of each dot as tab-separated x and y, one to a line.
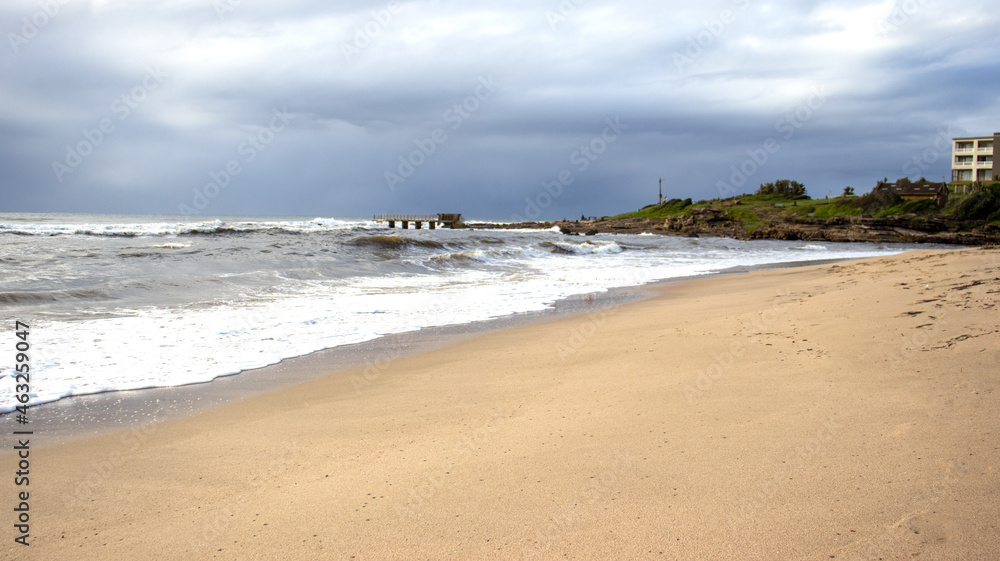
584	248
207	228
395	242
52	296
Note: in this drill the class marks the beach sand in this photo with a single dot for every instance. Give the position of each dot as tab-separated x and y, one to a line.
845	411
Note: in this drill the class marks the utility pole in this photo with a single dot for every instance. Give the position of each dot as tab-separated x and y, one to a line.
660	202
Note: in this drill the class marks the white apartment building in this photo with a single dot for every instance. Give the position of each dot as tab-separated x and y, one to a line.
972	159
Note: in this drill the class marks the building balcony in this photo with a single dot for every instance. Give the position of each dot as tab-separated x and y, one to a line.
961	175
968	150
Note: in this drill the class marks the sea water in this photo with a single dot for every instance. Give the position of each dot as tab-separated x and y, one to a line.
118	302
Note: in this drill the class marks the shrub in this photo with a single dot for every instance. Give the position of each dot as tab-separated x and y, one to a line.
983	204
919	206
875	201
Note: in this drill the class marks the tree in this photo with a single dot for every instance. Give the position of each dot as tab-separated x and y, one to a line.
784	187
848	192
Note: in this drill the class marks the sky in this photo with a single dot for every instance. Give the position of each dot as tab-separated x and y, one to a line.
543	109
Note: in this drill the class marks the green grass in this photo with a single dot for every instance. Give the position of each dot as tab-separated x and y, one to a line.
747	216
673	207
821	208
910	207
837	207
744	214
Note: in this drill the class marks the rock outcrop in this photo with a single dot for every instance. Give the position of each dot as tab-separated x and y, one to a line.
717	222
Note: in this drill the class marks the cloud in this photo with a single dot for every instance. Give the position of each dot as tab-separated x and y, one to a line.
698	85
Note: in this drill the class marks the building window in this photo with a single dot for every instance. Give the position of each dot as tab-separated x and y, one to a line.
961	175
963	147
963	160
985	175
988	160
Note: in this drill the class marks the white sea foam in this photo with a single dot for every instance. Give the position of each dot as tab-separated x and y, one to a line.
168	246
175	343
584	248
182	228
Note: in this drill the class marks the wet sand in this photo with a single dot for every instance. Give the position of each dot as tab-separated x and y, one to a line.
846	411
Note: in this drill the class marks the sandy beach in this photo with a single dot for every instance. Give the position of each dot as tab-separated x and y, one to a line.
843	411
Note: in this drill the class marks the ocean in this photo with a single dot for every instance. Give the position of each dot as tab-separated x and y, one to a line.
121	302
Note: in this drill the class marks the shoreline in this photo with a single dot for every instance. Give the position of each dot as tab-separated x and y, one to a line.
845	410
87	415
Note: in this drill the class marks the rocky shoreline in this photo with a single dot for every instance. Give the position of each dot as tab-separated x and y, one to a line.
715	222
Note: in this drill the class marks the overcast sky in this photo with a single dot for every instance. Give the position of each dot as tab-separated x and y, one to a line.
351	108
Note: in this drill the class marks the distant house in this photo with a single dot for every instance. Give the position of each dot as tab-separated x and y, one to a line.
919	190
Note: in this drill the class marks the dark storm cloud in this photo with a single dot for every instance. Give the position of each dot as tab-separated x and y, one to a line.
240	106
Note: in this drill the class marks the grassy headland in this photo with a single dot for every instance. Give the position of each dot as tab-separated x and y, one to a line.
877	216
980	206
970	217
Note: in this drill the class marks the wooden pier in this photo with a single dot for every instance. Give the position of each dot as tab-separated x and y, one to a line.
432	220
